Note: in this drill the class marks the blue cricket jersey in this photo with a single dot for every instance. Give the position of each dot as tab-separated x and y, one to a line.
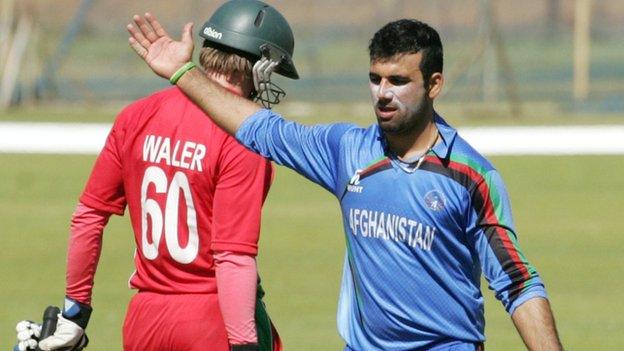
417	241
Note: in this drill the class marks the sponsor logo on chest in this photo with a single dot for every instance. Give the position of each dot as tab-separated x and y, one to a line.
354	183
388	226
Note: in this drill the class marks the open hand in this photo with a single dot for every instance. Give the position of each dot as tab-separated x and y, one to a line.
152	43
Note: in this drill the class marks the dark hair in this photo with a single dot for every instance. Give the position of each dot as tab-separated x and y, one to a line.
409	36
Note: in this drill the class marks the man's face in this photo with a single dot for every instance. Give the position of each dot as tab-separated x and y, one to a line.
400	99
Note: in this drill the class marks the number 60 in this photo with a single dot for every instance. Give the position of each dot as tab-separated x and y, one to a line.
149	207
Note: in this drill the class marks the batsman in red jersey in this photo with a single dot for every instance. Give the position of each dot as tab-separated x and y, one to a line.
194	195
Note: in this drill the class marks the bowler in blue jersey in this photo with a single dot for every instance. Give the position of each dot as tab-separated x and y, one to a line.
424	214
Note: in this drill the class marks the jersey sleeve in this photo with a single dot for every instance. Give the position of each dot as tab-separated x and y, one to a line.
104	190
243	182
85	246
237	277
491	231
312	151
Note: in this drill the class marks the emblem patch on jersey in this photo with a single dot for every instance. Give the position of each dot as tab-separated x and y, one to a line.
435	200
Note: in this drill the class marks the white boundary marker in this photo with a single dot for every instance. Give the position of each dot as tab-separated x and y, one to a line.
52	138
76	138
547	140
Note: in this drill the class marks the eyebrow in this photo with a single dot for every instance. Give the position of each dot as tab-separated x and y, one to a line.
399	77
394	76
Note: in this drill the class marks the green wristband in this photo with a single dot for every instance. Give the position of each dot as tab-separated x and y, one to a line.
180	72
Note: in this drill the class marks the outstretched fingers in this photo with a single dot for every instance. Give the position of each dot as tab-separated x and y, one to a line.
138	48
158	28
146	27
138	36
144	32
149	39
138	41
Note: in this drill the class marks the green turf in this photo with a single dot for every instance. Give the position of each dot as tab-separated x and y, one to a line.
567	211
62	114
461	114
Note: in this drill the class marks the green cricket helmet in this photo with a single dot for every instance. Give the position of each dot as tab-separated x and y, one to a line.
255	29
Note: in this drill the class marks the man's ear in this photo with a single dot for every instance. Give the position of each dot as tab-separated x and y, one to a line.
436	81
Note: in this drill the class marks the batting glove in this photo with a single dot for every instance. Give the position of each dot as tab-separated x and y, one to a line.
70	328
245	347
27	335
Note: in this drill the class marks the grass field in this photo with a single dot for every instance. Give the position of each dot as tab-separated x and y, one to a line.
361	113
568	212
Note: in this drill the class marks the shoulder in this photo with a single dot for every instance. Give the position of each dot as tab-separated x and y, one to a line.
465	154
171	99
457	151
358	135
169	104
462	164
171	94
148	104
339	137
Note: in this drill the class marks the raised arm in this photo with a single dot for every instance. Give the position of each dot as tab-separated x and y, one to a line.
312	151
165	56
536	325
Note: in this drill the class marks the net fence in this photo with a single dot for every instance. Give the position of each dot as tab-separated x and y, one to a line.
501	51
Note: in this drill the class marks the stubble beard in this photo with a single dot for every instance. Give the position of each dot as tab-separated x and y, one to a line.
411	122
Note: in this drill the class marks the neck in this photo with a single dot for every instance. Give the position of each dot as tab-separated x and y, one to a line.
415	143
235	84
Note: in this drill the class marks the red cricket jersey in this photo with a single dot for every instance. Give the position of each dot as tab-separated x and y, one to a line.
190	188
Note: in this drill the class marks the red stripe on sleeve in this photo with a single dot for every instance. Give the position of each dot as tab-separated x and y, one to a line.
490	215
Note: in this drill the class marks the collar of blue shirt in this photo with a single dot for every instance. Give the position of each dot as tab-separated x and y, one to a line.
447	134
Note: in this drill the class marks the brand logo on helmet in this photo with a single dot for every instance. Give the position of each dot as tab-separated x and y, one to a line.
213	33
